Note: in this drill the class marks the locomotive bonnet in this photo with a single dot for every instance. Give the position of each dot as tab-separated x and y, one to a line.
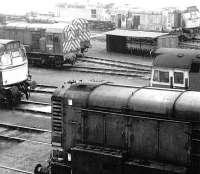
101	127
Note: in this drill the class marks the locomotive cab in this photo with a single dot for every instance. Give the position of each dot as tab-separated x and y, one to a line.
14	74
176	68
13	61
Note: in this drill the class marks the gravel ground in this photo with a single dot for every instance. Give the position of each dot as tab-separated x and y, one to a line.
25	119
24	156
40	97
57	78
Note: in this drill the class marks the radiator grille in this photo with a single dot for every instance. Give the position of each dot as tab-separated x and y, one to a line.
57	120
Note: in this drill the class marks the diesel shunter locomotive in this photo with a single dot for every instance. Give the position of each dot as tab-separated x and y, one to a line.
104	128
14	76
50	44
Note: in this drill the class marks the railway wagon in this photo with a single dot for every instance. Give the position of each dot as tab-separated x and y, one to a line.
141	43
176	68
14	76
106	128
49	43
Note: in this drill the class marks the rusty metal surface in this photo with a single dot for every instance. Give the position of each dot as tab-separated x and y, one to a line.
187	106
112	97
154	101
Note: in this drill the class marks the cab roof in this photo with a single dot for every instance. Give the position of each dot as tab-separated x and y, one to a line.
176	58
6	41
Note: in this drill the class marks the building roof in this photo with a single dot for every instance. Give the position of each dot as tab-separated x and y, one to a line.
138	34
176	58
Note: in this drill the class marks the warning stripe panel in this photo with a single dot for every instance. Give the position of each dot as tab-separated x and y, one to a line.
79	21
74	34
72	45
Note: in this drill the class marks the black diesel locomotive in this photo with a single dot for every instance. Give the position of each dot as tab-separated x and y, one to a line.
103	128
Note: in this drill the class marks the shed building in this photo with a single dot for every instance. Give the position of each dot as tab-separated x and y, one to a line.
140	43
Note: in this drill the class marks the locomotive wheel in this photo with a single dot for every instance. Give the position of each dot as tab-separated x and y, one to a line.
40	170
58	63
43	61
13	96
73	60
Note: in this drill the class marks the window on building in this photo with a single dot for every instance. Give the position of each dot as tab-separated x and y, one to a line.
178	77
93	13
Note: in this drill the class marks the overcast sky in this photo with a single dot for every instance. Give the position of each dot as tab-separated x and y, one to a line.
23	6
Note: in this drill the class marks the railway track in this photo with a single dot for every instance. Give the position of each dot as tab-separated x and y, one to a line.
115	63
16	133
112	67
46	89
108	71
15	169
34	107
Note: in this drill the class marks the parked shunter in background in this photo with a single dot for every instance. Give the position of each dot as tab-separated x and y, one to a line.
176	68
14	76
48	44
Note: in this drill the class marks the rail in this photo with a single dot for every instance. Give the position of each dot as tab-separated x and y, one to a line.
15	169
22	129
47	89
34	107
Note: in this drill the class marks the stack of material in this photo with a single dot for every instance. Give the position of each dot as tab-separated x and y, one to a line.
190	44
101	25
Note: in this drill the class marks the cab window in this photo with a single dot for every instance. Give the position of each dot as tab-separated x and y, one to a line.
56	39
161	76
164	76
155	76
178	77
49	39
